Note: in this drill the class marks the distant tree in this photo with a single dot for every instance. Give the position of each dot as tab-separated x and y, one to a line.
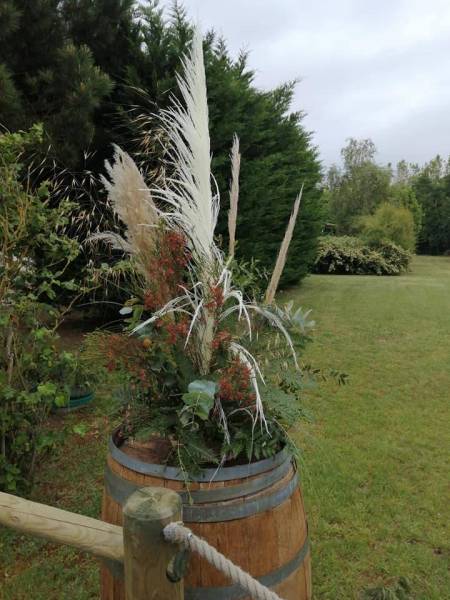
433	194
359	188
425	191
402	173
402	194
357	153
436	169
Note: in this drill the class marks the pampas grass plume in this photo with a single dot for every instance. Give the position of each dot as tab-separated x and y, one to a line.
282	254
234	195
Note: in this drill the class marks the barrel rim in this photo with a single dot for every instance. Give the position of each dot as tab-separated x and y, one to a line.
231	509
206	475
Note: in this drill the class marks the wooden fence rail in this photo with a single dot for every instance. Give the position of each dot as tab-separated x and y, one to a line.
139	544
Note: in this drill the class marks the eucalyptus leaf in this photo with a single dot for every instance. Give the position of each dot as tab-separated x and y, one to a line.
199	403
204	386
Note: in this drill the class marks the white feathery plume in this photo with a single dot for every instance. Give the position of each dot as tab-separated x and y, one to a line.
132	202
174	305
194	208
234	195
282	254
115	240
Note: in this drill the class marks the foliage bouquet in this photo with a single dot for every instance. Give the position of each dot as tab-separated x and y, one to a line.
192	356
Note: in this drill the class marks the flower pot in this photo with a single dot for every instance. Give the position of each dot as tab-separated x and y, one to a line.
252	513
78	399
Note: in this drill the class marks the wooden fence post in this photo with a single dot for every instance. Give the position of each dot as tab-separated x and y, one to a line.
147	555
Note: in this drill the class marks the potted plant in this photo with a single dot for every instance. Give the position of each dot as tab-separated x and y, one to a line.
204	408
80	379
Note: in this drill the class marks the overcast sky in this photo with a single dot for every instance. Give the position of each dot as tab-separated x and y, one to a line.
368	68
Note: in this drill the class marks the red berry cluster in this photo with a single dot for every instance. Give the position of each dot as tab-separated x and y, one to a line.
127	353
216	300
235	384
177	330
166	269
221	340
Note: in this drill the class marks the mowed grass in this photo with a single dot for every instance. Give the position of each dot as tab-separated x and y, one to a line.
376	458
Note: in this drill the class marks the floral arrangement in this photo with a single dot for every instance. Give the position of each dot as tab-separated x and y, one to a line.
192	357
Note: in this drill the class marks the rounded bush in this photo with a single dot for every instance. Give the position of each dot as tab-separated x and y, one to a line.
348	255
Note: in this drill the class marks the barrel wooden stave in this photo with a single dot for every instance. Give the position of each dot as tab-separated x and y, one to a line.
262	543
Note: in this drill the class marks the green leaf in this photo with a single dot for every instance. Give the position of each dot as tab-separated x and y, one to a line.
47	389
61	400
199	403
203	386
80	429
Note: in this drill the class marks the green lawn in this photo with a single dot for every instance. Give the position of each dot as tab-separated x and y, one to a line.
376	464
377	456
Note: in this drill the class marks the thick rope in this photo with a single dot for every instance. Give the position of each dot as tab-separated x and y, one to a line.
178	534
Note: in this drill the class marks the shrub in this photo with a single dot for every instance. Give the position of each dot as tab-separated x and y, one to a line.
389	223
32	381
351	256
396	257
34	254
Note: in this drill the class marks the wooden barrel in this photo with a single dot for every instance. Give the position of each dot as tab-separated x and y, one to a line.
252	513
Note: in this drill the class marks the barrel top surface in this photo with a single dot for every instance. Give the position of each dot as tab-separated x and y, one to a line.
206	475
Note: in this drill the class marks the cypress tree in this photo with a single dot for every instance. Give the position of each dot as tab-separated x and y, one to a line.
57	81
433	194
277	158
10	101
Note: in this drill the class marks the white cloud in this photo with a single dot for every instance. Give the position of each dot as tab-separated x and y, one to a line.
372	68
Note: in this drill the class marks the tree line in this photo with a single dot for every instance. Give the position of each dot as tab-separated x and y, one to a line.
409	204
94	73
